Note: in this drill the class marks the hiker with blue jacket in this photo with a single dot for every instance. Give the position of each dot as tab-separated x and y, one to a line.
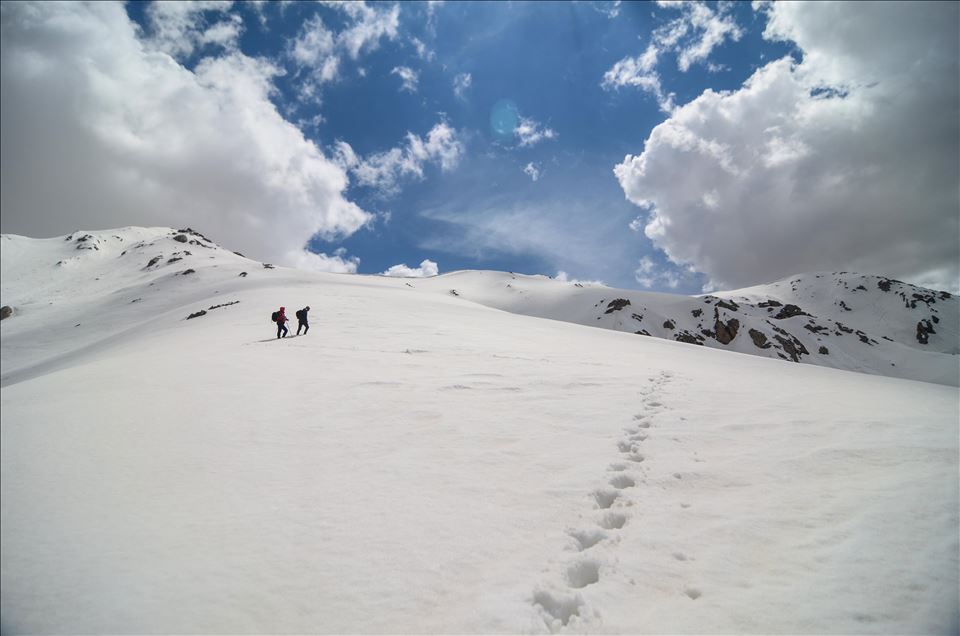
302	320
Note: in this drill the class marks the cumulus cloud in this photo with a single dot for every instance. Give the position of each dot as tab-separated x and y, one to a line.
427	268
462	83
179	28
384	170
691	38
846	160
320	51
532	171
423	51
100	131
648	275
563	277
408	78
530	132
338	263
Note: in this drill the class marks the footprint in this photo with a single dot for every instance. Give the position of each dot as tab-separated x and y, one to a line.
623	481
605	498
625	446
638	437
559	608
654	404
583	573
617	467
613	521
636	457
677	476
586	539
693	593
679	556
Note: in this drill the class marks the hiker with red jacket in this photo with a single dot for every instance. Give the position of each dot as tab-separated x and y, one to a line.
281	319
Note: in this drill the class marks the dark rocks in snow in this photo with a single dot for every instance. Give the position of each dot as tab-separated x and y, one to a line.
689	338
616	305
135	300
843	306
188	271
842	327
454	292
860	287
174	259
732	306
197	315
924	329
268	266
945	295
696	313
935	319
770	303
668	324
823	351
239	254
642	332
759	339
789	311
234	302
153	261
5	312
725	332
181	238
243	274
884	284
815	328
637	317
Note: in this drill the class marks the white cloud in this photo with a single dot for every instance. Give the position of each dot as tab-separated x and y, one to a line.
648	275
408	77
532	171
320	51
383	170
427	268
691	37
530	132
461	83
607	8
314	48
369	26
99	131
848	160
338	263
563	277
178	28
423	51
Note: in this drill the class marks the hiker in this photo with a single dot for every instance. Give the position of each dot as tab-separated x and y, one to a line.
281	319
302	320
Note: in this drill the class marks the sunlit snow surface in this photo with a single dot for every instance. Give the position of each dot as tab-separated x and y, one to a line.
423	463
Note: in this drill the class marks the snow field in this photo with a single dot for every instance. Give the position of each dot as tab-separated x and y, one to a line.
420	463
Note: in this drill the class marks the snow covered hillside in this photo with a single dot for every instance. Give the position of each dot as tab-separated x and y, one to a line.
420	462
847	321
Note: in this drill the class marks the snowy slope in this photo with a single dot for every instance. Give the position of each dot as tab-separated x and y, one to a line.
846	321
422	463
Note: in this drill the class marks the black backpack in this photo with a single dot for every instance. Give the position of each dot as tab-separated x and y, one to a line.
299	314
274	316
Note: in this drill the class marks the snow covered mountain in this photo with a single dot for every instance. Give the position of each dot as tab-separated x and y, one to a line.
846	321
421	462
841	320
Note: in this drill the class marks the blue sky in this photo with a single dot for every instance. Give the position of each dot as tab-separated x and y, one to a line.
671	146
547	59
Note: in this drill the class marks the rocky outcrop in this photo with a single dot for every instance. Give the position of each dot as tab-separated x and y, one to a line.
724	332
668	324
5	312
616	305
789	311
759	339
924	329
